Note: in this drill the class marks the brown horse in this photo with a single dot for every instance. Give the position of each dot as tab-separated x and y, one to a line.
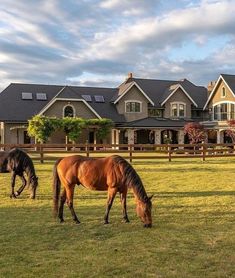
113	174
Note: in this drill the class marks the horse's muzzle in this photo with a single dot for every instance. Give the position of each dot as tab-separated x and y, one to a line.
148	225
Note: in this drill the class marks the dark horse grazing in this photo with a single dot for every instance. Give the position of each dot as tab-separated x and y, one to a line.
113	174
18	162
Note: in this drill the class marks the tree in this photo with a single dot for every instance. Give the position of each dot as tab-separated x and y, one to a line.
195	132
231	131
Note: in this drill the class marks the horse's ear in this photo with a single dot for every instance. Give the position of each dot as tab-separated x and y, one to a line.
151	197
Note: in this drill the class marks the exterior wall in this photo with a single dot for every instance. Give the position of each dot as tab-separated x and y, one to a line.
12	136
178	96
133	94
2	132
217	94
81	110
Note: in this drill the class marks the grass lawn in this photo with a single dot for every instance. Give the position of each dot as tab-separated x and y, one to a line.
193	232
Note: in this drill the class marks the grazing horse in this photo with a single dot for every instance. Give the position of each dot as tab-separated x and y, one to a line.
113	174
18	162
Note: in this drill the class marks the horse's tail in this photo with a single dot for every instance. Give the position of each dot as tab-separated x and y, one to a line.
56	189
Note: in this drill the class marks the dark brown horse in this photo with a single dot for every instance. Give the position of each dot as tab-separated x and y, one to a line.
113	174
18	162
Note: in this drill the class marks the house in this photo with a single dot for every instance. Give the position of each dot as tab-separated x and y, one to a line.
221	107
143	110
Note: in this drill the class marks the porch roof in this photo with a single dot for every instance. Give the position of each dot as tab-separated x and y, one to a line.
155	123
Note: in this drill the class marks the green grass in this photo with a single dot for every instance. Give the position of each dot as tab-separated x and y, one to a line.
193	232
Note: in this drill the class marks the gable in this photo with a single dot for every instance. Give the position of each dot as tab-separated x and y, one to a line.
179	96
173	93
220	82
56	109
217	97
129	88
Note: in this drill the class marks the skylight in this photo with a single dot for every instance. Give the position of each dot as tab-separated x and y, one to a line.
26	95
99	98
41	96
87	97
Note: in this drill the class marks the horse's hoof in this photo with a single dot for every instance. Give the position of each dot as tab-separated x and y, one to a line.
61	220
126	220
13	196
106	222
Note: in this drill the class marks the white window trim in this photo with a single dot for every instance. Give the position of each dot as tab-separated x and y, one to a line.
178	105
222	102
140	102
74	110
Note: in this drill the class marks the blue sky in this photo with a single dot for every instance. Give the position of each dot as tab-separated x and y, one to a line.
97	42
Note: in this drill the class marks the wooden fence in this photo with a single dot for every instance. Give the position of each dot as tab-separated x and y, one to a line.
48	152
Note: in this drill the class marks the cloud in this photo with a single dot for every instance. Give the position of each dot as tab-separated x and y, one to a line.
72	41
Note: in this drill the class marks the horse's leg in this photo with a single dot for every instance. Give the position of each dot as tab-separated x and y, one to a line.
123	202
69	194
13	179
61	208
18	192
111	195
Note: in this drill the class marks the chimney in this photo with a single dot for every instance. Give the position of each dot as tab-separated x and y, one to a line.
129	75
210	86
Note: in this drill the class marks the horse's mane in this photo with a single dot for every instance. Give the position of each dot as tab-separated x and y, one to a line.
131	178
20	161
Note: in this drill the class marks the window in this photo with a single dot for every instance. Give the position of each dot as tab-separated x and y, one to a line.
223	92
155	113
41	96
99	98
25	95
87	98
178	110
133	107
68	111
224	111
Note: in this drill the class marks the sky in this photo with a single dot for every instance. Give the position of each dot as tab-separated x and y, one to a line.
97	42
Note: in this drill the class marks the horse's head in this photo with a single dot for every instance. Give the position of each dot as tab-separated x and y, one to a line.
34	185
143	210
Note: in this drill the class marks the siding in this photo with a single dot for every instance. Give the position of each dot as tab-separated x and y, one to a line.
178	96
133	94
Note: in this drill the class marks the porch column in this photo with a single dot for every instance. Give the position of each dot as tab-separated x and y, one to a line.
180	136
157	136
130	135
219	137
115	137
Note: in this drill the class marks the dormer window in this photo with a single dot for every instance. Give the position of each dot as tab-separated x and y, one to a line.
133	106
223	92
69	111
178	110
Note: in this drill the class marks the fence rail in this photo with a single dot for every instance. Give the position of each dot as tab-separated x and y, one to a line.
48	152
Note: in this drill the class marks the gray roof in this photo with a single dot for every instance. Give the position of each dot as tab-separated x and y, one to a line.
159	90
14	109
156	122
230	80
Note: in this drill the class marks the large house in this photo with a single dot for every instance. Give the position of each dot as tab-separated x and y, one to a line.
143	110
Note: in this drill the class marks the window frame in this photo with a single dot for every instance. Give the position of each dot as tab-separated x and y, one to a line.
134	102
177	105
74	111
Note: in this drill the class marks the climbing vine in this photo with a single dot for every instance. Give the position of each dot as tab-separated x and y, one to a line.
41	127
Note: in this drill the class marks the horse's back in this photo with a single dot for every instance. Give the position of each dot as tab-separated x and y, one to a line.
93	173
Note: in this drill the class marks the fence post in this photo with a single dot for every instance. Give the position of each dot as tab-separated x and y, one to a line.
130	149
41	154
87	150
203	152
169	152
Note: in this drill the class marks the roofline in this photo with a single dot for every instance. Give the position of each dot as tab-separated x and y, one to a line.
134	83
182	88
68	99
212	92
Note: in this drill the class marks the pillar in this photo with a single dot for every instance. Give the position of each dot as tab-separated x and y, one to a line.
157	137
130	134
180	136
